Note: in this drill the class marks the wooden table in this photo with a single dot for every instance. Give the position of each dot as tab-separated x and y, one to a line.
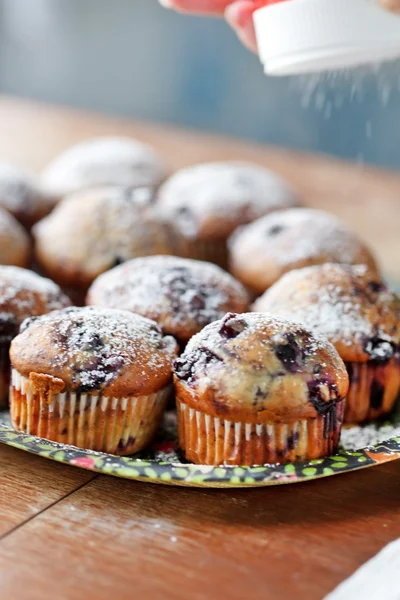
67	534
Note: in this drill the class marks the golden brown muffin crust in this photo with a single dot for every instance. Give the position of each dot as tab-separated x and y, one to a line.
96	350
354	309
208	201
182	295
25	294
22	196
95	230
263	251
15	246
255	368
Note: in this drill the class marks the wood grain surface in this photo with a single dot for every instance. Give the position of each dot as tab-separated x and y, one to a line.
118	538
29	486
69	535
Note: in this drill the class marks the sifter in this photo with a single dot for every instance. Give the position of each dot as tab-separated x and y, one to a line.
303	36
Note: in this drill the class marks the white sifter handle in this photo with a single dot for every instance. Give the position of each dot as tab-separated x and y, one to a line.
301	36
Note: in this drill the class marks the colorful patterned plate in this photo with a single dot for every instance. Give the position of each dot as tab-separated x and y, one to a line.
362	447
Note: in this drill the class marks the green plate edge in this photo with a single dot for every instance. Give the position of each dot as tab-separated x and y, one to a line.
198	475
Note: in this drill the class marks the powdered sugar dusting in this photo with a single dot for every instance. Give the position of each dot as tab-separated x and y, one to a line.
96	343
95	230
236	192
20	190
104	161
24	294
342	302
355	438
252	362
170	289
300	235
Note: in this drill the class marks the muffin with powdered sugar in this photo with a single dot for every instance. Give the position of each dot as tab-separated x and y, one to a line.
15	246
255	389
360	316
207	202
22	195
103	161
96	378
23	294
94	230
263	251
182	295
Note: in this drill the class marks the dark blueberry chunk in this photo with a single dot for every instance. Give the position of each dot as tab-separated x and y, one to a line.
376	286
319	403
208	356
97	373
9	328
290	354
94	343
231	326
219	405
377	394
260	393
184	369
118	260
274	230
198	302
379	350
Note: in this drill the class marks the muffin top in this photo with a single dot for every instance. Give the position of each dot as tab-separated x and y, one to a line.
21	195
255	368
95	230
208	201
15	247
103	161
94	350
182	295
263	251
352	308
25	294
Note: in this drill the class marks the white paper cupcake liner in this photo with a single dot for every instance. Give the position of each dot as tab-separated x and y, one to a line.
213	441
93	422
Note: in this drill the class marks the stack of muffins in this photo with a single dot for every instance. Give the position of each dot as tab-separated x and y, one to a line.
264	363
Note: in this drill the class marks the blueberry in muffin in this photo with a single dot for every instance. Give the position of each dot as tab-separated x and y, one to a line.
254	389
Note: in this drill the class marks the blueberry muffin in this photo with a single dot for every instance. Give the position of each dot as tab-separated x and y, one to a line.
22	294
92	377
22	196
255	389
263	251
95	230
103	161
207	202
360	316
15	246
182	295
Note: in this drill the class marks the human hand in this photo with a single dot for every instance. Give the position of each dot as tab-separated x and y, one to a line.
391	4
238	13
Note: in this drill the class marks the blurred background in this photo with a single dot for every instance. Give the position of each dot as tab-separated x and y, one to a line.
133	58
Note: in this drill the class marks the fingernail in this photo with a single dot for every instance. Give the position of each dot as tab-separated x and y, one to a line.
166	3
